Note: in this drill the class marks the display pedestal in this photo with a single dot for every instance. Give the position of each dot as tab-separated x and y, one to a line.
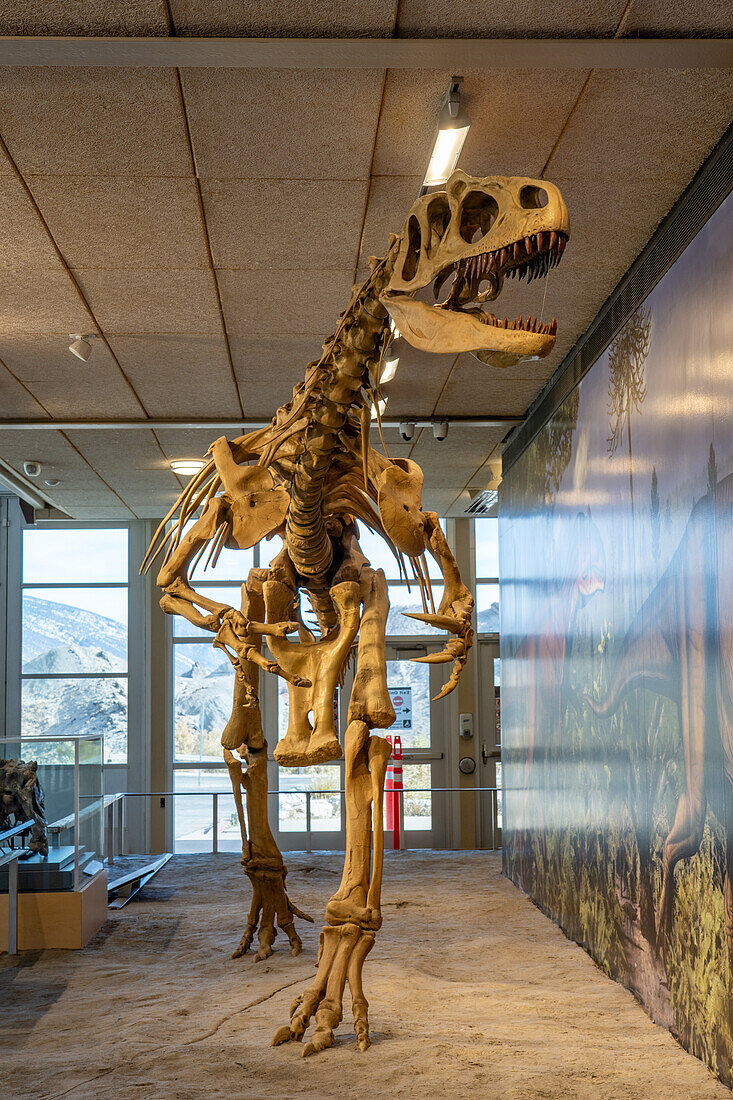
57	918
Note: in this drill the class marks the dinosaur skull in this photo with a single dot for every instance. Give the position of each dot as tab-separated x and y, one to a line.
471	236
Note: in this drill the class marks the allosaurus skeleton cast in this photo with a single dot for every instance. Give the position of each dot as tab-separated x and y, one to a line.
310	477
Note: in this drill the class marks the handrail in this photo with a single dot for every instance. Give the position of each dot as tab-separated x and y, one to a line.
16	830
215	795
62	823
334	790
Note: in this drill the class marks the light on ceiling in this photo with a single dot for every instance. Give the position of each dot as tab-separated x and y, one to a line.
80	345
382	403
187	466
453	126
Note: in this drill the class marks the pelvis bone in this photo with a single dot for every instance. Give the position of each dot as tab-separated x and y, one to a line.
321	663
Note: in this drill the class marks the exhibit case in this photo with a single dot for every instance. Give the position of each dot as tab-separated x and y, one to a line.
70	773
59	879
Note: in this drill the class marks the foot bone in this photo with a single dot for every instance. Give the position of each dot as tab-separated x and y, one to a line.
343	950
270	905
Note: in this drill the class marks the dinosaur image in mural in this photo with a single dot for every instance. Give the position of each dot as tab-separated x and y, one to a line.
310	477
671	648
543	655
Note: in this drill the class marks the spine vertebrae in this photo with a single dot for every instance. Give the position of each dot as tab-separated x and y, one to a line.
308	542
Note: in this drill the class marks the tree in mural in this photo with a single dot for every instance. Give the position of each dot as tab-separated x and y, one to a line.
627	384
626	393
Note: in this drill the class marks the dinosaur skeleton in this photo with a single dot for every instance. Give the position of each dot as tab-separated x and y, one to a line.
310	477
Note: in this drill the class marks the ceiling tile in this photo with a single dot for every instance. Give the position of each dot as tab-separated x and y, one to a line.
115	222
282	124
87	394
268	367
416	387
517	116
641	116
23	240
192	443
87	17
311	304
112	121
46	358
507	19
152	301
16	402
59	459
474	385
179	376
659	19
33	300
263	19
390	199
280	226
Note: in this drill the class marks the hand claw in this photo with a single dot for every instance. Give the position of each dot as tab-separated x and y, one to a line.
440	622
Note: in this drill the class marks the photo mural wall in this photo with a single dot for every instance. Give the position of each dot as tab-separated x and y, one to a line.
616	538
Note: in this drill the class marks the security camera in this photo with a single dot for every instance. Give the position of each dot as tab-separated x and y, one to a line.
31	469
407	430
440	430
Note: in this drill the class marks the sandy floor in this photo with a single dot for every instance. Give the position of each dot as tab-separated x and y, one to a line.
473	993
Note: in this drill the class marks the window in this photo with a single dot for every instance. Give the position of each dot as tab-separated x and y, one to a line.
203	677
402	599
74	634
487	575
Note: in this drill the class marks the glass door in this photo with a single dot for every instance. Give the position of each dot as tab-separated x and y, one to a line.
420	726
489	745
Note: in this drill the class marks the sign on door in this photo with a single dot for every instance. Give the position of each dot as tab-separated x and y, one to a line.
402	702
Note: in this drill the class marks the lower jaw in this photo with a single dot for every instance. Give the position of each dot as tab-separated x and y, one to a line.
443	332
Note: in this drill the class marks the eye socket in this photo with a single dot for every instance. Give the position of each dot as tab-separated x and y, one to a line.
478	213
533	198
414	241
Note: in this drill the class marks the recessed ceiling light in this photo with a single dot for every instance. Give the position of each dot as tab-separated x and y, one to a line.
52	481
80	345
187	466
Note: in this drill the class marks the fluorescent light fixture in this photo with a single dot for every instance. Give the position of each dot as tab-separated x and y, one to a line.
389	370
453	126
382	406
187	466
80	345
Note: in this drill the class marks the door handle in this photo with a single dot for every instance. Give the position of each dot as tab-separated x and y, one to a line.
484	753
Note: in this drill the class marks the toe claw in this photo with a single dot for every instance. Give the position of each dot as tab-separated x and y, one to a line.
282	1035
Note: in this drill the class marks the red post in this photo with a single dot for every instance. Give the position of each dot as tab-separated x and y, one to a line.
396	794
388	788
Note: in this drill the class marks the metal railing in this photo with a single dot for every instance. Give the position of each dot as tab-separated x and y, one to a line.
494	815
113	806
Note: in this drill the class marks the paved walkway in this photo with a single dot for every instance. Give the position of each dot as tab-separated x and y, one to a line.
473	993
